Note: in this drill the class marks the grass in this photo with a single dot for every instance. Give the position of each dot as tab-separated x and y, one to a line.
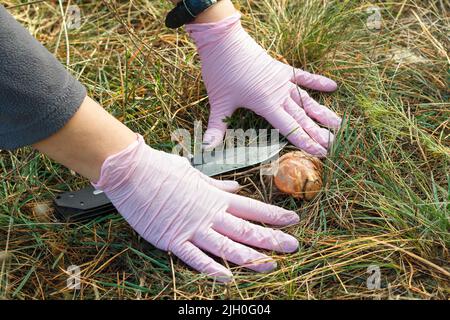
386	197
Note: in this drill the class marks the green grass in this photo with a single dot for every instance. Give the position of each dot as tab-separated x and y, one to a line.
386	197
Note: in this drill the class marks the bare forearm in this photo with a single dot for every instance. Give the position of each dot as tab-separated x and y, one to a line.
84	143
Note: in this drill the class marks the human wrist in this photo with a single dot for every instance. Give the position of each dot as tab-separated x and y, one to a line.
217	12
206	35
89	137
198	11
117	169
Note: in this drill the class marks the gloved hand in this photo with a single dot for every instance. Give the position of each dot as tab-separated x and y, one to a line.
239	73
177	208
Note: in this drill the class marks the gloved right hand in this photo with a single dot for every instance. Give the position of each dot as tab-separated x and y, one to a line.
177	208
239	73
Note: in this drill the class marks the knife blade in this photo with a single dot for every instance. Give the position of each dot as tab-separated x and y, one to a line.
89	203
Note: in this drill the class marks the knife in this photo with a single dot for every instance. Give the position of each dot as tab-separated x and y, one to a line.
89	203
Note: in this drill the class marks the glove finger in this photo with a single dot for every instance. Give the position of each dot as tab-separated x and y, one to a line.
290	128
313	109
216	126
254	235
197	259
213	137
313	81
320	135
225	185
234	252
251	209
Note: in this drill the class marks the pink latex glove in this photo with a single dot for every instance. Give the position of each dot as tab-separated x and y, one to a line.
177	208
239	73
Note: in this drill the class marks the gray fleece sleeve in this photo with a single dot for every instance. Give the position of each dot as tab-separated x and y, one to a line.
38	96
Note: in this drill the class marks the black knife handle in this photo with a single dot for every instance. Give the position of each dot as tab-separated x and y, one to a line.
81	205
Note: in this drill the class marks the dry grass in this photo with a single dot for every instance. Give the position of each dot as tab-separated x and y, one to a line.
387	191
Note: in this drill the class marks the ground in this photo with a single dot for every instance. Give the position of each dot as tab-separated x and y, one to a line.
385	201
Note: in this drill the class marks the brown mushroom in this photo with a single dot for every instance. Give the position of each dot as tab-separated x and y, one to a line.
299	175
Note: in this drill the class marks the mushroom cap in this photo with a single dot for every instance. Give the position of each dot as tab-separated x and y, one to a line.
299	175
